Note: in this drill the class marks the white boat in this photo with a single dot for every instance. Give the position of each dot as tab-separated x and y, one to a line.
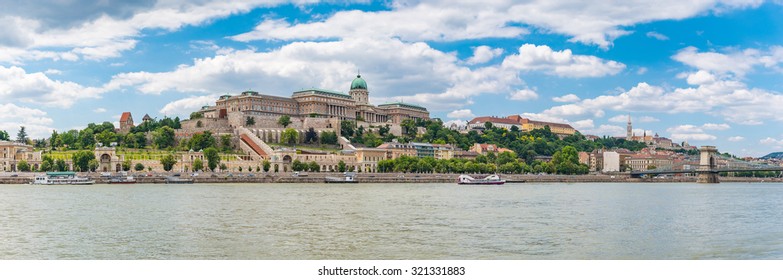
489	180
350	177
61	178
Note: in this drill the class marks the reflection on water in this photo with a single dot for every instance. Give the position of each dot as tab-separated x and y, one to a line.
392	221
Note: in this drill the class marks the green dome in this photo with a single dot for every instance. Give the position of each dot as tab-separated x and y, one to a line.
358	83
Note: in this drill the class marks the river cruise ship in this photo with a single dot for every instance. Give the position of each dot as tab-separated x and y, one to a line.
489	180
61	178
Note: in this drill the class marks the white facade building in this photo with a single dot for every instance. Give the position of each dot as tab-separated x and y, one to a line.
611	162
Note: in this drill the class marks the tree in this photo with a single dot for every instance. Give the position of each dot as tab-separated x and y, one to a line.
297	165
290	136
225	142
126	165
86	139
138	167
199	124
201	141
311	136
92	165
284	120
46	166
329	138
314	167
198	164
267	165
4	135
21	136
346	128
106	137
213	158
341	166
223	167
487	125
383	130
168	162
81	160
54	140
163	137
196	115
23	166
59	165
250	121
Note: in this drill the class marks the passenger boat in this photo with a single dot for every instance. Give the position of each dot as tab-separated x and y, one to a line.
122	180
350	177
489	180
61	178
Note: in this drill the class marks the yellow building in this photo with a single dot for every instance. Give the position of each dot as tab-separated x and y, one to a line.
11	153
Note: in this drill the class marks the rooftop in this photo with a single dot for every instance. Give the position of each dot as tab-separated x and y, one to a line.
401	104
323	92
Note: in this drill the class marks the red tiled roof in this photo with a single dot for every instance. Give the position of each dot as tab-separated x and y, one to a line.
125	116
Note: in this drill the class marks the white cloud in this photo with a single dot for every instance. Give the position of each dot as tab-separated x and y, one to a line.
736	138
99	110
677	137
561	63
394	70
589	22
428	21
568	98
692	132
658	36
601	130
523	95
183	107
624	119
701	77
461	114
37	123
37	88
53	72
641	71
103	35
543	118
648	119
733	61
714	126
771	141
583	124
483	54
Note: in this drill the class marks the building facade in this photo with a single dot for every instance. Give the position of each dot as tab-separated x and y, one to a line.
523	124
315	103
12	153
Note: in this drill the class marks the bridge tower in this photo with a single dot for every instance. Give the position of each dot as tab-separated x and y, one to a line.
708	165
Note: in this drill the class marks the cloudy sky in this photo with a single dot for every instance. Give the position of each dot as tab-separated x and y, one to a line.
704	71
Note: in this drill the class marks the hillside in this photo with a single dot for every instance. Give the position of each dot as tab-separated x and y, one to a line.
776	155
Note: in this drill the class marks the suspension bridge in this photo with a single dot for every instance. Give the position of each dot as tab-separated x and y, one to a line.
709	166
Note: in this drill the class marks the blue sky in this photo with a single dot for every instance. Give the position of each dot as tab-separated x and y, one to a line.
706	72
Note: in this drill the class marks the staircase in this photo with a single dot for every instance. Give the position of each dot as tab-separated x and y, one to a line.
251	144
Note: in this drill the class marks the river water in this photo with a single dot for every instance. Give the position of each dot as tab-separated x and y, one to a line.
392	221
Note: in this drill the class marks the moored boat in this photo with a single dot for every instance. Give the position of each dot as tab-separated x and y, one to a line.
61	178
178	180
489	180
350	177
122	180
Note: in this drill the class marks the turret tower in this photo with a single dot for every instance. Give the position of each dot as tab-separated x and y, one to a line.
359	91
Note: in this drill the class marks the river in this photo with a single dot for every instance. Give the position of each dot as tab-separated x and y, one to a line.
393	221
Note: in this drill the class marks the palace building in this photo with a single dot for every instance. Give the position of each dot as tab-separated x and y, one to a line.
316	103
